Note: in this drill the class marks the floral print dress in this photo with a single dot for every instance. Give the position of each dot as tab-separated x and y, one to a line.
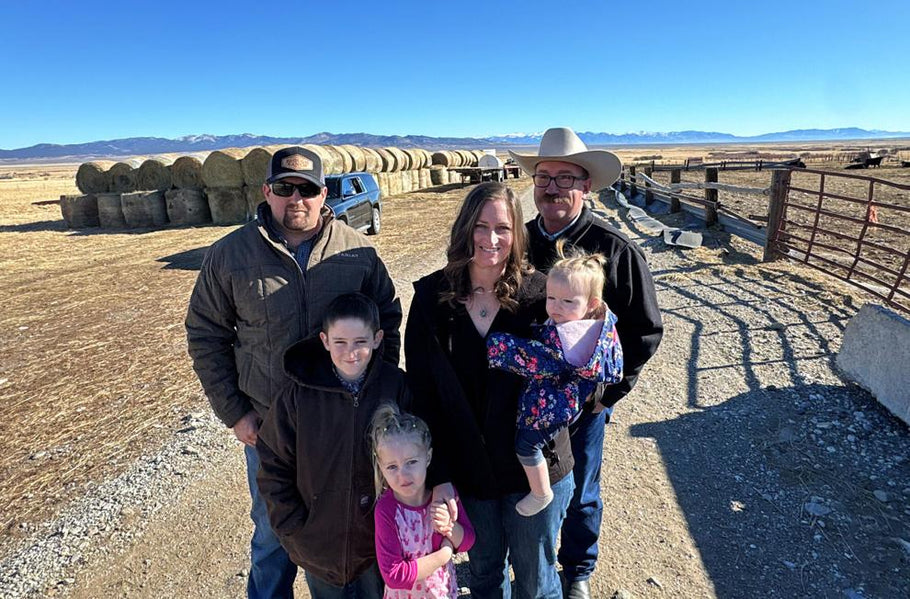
557	387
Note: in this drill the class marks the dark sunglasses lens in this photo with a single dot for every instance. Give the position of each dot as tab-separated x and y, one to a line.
308	190
284	190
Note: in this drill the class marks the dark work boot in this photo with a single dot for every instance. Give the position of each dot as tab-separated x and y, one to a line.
578	589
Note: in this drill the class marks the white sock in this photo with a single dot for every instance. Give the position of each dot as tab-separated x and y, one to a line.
530	504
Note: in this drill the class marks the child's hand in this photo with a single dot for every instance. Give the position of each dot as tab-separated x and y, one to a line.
442	518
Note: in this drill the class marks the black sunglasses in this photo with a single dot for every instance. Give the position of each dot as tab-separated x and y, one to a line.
286	190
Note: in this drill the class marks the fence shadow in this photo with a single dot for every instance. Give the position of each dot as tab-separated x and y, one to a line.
776	489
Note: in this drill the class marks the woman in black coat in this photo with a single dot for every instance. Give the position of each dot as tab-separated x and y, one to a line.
486	286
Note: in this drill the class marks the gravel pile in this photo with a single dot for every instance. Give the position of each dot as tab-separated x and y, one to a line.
112	515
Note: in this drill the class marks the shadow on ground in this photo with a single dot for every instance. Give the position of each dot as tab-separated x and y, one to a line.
782	492
188	260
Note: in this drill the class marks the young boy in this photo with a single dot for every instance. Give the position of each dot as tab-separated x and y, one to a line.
316	472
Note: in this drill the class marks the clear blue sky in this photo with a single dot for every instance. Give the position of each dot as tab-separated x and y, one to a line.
84	71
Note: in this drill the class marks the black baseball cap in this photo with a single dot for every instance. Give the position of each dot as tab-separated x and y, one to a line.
295	161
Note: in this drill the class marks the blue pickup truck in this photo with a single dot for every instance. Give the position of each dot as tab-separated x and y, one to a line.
354	197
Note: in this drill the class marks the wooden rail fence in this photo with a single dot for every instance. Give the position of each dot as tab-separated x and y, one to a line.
812	220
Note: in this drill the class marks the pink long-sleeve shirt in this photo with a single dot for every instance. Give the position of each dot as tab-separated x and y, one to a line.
404	534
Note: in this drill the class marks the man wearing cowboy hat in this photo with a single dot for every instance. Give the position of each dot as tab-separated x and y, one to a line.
564	170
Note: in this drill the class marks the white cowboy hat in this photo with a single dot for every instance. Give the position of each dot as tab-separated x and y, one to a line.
563	145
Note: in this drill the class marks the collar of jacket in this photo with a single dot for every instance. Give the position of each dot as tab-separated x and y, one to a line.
581	224
270	231
308	364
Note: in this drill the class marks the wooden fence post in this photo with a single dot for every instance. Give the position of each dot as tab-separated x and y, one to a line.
675	177
633	188
622	180
710	197
777	203
649	195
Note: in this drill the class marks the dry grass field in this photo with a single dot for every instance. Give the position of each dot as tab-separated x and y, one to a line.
92	350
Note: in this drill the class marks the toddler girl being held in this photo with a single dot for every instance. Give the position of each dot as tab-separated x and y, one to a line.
575	350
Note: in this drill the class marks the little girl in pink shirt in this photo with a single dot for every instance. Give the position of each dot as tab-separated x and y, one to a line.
415	538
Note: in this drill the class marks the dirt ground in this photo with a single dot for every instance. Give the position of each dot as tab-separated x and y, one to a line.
94	374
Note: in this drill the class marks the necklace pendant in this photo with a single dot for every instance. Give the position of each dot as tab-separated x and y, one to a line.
483	312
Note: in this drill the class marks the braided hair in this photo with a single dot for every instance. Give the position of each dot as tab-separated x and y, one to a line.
388	422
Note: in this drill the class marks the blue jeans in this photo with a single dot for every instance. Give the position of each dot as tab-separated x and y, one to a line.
503	535
272	572
368	586
581	529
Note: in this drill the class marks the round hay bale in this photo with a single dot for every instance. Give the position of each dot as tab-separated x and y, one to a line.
358	159
327	158
80	212
227	205
144	209
123	177
373	161
463	158
405	178
186	173
92	177
423	178
187	207
337	160
222	169
401	158
110	211
255	166
415	158
382	180
389	161
439	175
347	163
153	174
394	183
427	158
415	179
454	177
252	194
478	154
440	159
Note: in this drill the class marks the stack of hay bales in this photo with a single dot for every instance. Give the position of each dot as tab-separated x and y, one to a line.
225	186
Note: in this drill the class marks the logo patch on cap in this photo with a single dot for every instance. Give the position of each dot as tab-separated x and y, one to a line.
296	162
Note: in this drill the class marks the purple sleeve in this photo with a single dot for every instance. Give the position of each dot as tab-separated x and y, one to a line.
397	571
468	540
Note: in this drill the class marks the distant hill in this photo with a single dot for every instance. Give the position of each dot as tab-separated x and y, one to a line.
134	146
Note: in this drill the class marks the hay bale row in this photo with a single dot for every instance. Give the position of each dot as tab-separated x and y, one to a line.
155	209
456	158
235	167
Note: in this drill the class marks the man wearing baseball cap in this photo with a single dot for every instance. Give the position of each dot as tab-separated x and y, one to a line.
262	288
564	170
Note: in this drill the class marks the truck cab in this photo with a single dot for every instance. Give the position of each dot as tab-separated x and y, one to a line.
355	200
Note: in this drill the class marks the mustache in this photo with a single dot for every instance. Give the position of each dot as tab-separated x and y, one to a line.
556	198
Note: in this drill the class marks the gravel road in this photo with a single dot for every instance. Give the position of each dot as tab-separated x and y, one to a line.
742	464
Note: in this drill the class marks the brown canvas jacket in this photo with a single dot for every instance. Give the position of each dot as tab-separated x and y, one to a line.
252	301
316	473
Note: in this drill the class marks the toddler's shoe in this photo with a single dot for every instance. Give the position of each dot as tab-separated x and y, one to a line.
530	504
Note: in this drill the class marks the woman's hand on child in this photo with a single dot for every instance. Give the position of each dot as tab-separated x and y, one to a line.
445	493
442	519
